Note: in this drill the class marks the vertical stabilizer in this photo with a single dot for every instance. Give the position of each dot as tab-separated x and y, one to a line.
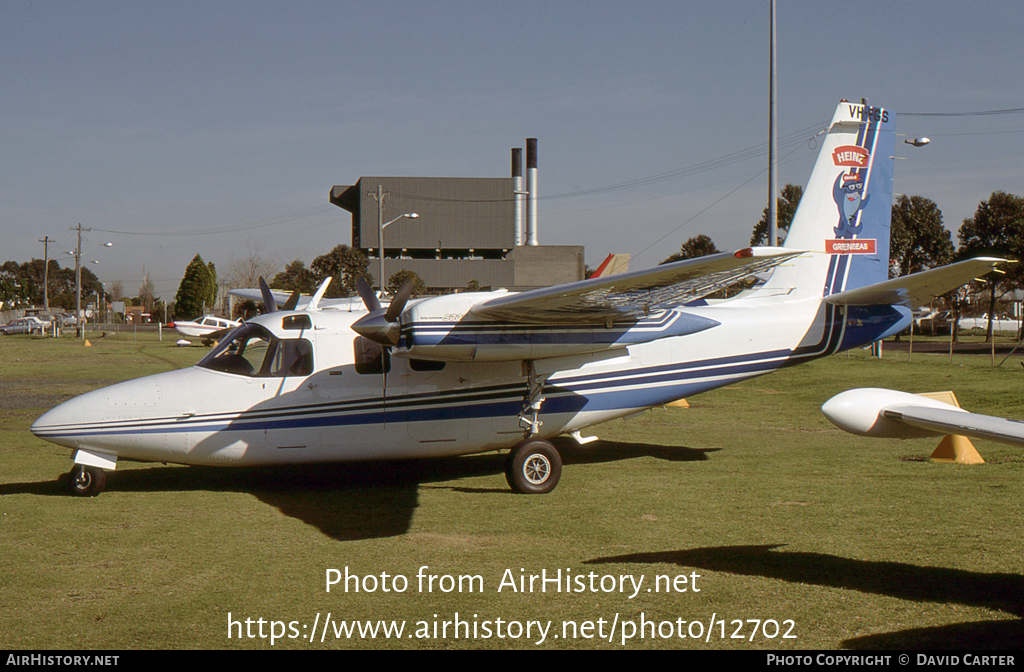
844	215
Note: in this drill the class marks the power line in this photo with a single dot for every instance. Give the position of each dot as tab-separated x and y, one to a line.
981	113
794	138
257	224
727	195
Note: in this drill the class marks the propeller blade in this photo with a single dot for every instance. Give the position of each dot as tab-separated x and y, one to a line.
268	296
400	299
366	293
292	301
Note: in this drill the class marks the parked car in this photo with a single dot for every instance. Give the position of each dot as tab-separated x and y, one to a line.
24	325
935	324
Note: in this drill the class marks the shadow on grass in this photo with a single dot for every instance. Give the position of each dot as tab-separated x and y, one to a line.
354	500
1004	592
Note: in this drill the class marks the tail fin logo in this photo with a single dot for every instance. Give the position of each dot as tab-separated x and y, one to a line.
850	156
848	193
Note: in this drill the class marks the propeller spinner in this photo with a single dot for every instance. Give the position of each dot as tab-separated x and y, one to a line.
383	326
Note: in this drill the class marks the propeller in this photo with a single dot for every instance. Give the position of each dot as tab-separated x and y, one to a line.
292	301
271	303
268	296
367	295
383	326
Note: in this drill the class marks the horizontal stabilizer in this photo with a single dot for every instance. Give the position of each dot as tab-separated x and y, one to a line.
917	289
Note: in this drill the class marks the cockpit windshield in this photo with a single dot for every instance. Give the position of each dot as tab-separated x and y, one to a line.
251	350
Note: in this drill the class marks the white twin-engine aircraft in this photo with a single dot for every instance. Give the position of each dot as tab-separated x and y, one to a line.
475	372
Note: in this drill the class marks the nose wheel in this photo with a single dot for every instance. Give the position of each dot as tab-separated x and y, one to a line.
87	481
533	467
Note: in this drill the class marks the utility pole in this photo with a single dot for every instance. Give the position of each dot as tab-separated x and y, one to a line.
379	197
773	153
79	318
46	273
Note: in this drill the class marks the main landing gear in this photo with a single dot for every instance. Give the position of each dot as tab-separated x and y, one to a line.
86	481
533	467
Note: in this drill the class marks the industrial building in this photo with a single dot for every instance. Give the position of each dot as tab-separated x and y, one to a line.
457	232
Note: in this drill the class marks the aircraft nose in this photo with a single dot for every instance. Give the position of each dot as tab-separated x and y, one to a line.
57	424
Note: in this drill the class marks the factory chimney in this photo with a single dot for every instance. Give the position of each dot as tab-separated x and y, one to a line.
531	186
518	193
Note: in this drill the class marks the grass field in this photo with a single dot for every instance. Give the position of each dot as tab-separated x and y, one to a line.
751	495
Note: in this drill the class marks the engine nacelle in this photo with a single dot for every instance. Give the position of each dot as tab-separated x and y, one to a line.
444	328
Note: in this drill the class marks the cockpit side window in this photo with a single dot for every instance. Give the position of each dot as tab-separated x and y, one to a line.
253	351
292	357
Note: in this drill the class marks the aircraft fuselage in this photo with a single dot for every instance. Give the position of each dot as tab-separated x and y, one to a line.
338	410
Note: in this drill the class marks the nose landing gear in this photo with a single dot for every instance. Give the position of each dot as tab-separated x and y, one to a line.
86	481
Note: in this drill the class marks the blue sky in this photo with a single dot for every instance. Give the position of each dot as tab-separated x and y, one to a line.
219	127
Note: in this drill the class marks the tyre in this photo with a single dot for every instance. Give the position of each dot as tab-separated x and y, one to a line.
533	467
87	481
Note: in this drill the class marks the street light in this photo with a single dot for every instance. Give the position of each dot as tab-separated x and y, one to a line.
380	243
79	317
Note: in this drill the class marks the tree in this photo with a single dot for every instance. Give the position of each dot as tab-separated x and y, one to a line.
245	309
997	229
344	264
786	203
918	240
698	246
146	298
212	298
396	280
197	291
12	292
247	271
116	291
295	276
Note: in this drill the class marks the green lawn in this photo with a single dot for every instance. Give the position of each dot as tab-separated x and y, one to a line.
750	494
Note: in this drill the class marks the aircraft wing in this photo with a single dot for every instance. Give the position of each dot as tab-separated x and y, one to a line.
281	297
254	294
917	289
892	414
632	295
963	423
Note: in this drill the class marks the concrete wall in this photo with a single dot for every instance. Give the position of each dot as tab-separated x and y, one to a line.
546	265
8	315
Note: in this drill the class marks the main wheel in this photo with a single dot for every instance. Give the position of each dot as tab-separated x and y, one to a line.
87	481
533	467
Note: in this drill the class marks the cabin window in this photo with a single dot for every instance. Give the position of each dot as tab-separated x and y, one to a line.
297	322
371	357
425	365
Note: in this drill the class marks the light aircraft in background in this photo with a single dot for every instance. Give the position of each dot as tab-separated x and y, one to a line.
204	326
482	371
613	264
